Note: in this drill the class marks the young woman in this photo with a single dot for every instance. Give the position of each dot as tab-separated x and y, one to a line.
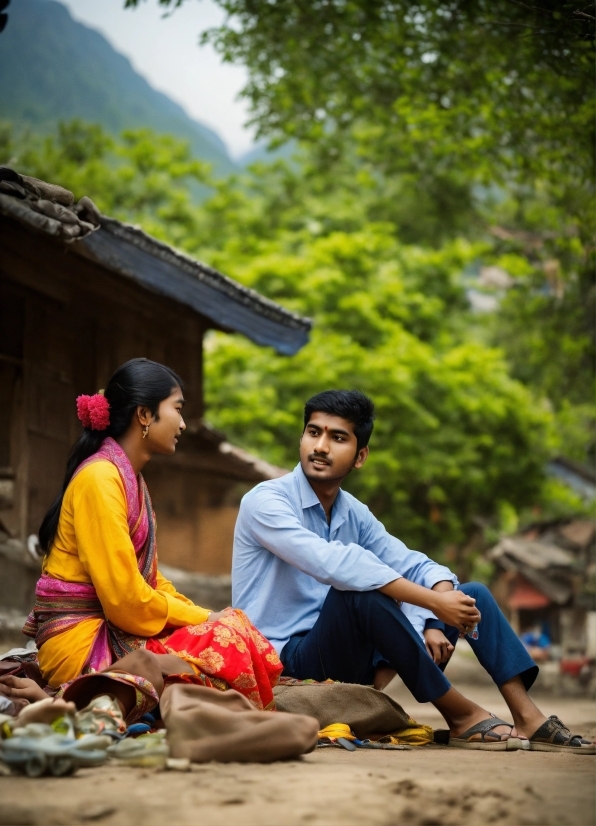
100	596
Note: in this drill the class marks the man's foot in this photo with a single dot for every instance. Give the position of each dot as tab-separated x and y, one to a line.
383	676
553	735
462	715
487	734
501	732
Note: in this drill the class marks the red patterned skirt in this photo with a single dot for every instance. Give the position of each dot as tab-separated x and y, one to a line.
227	653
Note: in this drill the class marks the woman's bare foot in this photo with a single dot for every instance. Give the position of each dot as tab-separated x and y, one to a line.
45	711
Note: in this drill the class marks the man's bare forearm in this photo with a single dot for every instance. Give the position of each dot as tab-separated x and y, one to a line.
453	607
402	590
443	585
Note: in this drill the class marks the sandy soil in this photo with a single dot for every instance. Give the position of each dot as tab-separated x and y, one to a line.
422	787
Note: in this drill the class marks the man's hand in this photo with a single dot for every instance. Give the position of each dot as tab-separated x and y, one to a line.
437	645
457	609
215	615
453	607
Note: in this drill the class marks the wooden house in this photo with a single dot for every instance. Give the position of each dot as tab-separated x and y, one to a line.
546	576
81	293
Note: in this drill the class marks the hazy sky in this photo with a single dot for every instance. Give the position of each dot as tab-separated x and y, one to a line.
165	51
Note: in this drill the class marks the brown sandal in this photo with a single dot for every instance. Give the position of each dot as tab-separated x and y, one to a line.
553	735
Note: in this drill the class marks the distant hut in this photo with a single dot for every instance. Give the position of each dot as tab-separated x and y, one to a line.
546	575
80	293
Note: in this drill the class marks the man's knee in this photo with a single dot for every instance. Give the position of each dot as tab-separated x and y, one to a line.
361	605
368	606
357	599
476	590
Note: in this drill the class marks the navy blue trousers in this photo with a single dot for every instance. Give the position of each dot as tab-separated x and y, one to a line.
355	627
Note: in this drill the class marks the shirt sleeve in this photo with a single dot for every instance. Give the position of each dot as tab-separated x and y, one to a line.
108	556
275	526
413	565
432	622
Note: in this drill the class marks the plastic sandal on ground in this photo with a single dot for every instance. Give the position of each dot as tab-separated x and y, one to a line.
37	749
149	751
101	716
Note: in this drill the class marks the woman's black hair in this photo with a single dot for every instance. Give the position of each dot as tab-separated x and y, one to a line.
137	383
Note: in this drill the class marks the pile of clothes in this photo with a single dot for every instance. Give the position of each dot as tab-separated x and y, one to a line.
188	723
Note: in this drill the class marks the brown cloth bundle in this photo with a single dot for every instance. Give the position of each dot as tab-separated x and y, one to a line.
204	724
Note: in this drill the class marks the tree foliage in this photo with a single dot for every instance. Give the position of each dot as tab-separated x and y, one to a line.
140	177
456	438
459	442
448	118
451	93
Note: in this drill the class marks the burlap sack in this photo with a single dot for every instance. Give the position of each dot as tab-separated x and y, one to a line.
363	708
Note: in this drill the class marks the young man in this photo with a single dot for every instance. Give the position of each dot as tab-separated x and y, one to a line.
341	598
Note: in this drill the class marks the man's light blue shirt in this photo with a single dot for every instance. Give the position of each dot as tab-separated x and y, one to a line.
286	557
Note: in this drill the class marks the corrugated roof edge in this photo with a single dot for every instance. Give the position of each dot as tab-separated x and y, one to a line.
203	272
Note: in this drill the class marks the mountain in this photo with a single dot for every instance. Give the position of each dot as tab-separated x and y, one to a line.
53	68
261	153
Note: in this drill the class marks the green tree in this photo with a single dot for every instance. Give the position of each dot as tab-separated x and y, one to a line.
448	118
459	442
141	177
454	92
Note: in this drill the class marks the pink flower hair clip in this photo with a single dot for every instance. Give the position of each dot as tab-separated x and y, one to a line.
94	411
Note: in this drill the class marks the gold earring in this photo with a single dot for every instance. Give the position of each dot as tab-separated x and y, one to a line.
145	431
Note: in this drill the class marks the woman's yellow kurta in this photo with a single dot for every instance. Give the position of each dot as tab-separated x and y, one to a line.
93	545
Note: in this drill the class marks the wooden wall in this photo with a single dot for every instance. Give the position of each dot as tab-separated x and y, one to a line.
196	514
65	325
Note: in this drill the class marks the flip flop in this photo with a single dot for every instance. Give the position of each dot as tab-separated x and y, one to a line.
101	716
485	729
149	751
553	735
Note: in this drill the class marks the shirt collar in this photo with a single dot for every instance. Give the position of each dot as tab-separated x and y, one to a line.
309	499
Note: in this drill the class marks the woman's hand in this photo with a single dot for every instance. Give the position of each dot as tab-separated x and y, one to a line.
214	616
437	645
21	688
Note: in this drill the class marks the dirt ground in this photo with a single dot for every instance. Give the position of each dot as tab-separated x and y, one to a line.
333	787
